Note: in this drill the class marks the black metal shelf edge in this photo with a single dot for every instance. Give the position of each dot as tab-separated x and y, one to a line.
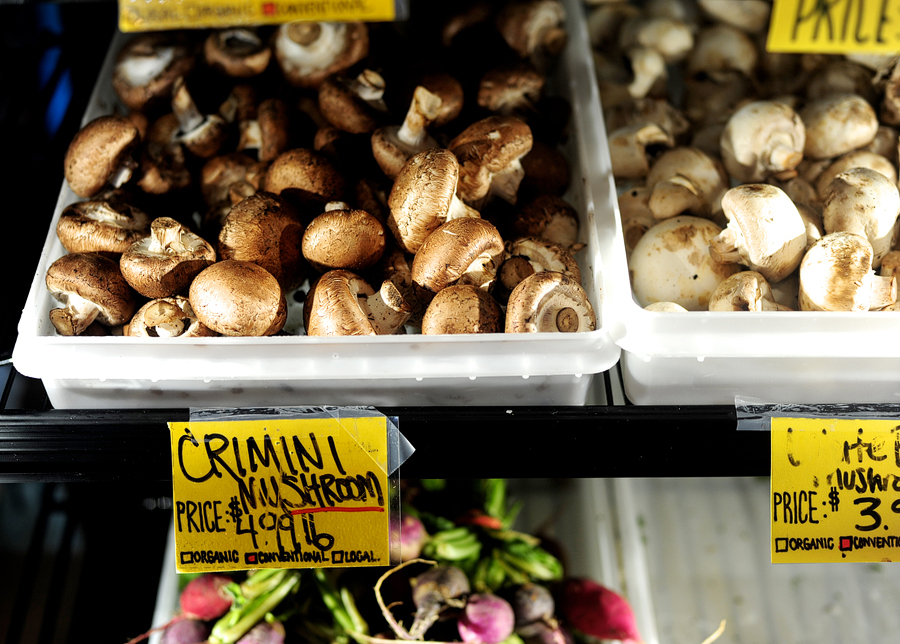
470	442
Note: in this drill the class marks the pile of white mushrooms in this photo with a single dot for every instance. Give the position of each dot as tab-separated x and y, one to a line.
749	181
390	177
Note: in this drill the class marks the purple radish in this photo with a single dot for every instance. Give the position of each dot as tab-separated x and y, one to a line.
185	631
433	590
486	619
534	608
204	597
598	611
264	633
412	537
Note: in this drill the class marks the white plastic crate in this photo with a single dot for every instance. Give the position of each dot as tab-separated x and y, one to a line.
495	369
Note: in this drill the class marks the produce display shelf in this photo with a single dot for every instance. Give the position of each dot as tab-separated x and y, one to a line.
601	440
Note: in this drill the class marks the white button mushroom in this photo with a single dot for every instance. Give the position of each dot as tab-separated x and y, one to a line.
837	124
686	180
765	231
762	139
836	275
744	291
671	263
865	202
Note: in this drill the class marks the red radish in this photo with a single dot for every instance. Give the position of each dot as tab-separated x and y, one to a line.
204	597
598	611
486	619
412	537
185	631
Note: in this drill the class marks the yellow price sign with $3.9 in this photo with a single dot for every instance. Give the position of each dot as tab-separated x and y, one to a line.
835	492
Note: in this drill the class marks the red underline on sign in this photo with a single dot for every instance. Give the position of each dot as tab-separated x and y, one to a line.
313	510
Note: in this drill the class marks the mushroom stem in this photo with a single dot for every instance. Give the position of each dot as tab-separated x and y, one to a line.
388	310
883	291
184	107
369	86
505	184
724	247
459	208
422	111
78	314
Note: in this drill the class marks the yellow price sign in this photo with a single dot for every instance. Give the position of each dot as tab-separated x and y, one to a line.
281	493
835	490
143	15
835	26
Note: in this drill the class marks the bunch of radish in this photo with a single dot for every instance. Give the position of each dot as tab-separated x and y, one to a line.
467	576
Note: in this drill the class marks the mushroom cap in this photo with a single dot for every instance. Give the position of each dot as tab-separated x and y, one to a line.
421	196
549	302
451	93
164	263
510	87
305	174
147	66
866	202
549	217
309	52
466	250
488	147
238	298
671	263
345	109
765	229
101	225
836	274
96	153
855	159
78	278
332	305
531	27
269	132
219	173
462	308
743	291
837	124
762	139
167	317
528	255
266	230
686	179
349	238
238	52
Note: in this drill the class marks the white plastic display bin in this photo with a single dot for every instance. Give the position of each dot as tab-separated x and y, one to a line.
496	369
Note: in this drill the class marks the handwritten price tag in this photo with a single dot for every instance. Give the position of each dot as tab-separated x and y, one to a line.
835	26
280	493
835	492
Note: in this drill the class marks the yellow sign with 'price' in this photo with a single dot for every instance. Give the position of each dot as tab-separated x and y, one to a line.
835	26
281	493
835	491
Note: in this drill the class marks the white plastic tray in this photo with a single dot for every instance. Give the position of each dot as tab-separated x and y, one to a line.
496	369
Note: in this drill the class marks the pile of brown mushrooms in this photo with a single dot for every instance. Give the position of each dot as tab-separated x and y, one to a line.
393	177
748	180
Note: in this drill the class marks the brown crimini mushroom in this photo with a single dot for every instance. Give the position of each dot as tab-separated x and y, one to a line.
147	66
266	230
528	255
167	317
355	105
309	52
549	302
238	298
450	91
163	163
343	237
341	303
463	308
164	263
237	52
101	225
219	173
459	251
202	134
489	153
304	176
91	287
549	217
510	88
424	196
267	134
533	29
99	155
393	145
